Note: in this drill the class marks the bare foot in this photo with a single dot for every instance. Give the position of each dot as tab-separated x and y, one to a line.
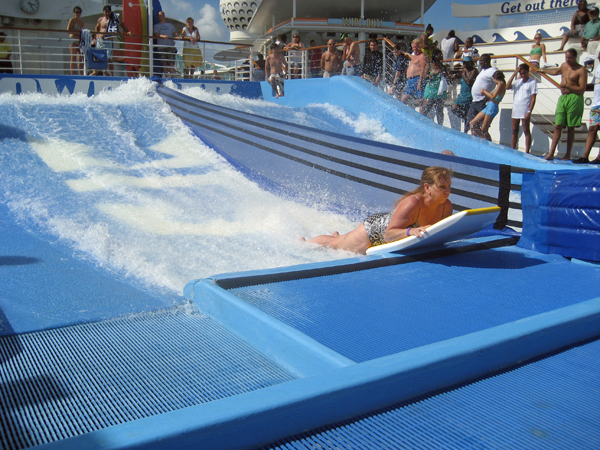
302	238
549	158
566	158
335	233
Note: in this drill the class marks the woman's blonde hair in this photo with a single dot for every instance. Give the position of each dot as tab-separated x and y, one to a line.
431	176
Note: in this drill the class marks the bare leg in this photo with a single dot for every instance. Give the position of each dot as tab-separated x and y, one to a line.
515	132
555	140
527	133
474	125
570	140
355	241
565	38
487	121
590	140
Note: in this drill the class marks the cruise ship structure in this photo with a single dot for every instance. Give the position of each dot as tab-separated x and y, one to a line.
155	294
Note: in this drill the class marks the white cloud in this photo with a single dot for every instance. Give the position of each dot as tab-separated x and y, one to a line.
211	25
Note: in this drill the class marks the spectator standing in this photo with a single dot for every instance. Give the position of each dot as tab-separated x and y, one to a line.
294	51
578	21
192	55
5	54
569	109
74	28
400	67
594	117
468	49
538	51
274	66
108	23
427	44
331	61
164	32
415	80
350	57
463	101
315	59
449	46
524	96
484	81
215	75
372	67
259	73
491	107
437	86
591	31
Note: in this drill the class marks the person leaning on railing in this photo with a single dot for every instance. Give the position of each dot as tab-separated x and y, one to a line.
74	27
5	54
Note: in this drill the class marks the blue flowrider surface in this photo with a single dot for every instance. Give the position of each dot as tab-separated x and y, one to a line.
372	313
543	405
43	286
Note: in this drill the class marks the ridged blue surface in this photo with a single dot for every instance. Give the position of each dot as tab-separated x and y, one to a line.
372	313
68	381
549	404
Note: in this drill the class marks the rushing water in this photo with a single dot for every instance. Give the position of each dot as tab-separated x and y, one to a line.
120	181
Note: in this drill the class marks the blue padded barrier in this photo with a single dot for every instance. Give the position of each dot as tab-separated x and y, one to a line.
561	213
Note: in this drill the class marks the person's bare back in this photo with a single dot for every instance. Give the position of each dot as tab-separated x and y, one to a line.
351	52
275	63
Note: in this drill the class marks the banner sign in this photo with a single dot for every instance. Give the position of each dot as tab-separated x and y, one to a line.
510	7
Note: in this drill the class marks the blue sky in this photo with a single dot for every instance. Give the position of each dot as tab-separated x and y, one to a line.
208	19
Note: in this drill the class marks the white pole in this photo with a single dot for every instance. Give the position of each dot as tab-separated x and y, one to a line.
362	9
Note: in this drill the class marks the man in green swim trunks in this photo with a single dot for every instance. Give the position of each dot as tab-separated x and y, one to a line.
569	109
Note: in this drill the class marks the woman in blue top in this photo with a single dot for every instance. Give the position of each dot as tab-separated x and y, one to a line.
491	107
410	216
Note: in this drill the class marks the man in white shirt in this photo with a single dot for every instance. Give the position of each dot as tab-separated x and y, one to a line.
450	46
165	50
485	80
594	115
524	95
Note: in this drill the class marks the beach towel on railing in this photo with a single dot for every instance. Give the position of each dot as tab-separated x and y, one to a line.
113	23
85	41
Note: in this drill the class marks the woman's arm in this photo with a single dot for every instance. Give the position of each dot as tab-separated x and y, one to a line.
512	77
544	53
405	215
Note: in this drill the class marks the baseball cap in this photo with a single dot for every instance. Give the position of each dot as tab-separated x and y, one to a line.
467	59
588	60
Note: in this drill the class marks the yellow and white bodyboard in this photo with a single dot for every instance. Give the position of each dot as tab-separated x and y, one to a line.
452	228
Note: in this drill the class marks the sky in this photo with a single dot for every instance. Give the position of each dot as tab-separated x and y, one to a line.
207	17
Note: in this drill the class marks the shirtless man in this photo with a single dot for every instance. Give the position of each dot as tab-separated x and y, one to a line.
569	109
274	67
351	56
414	75
330	61
108	23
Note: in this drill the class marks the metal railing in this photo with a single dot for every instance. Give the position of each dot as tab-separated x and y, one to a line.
53	52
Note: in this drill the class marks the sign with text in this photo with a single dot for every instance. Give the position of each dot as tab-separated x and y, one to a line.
512	7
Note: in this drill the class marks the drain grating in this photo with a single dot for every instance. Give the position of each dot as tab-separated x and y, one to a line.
69	381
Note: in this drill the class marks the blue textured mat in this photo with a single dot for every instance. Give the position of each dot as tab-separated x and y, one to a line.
65	382
372	313
553	403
